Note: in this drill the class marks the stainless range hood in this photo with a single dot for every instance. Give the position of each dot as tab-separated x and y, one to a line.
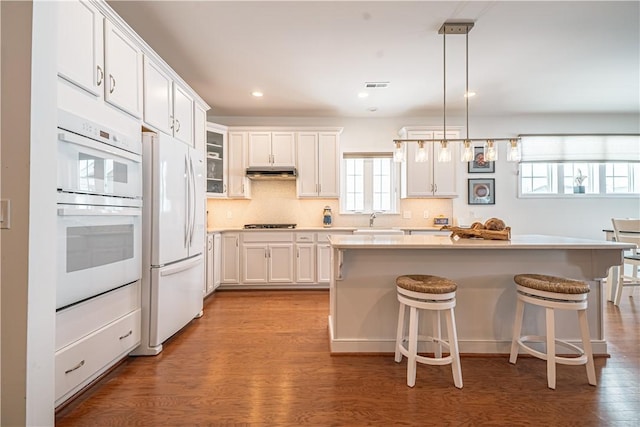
275	172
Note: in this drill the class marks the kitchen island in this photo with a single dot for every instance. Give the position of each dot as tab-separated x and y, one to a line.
364	307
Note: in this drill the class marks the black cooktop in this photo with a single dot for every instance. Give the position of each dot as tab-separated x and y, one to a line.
261	226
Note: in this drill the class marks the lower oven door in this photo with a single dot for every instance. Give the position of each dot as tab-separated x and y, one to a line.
99	249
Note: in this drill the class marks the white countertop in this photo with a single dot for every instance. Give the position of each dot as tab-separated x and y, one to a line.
322	229
532	241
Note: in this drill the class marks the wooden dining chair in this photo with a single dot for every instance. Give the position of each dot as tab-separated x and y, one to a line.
627	230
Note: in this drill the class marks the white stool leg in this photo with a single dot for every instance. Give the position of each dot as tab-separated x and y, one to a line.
413	346
517	329
586	346
437	334
453	347
400	332
618	296
551	348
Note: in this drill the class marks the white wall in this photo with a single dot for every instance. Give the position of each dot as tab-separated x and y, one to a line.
28	247
583	217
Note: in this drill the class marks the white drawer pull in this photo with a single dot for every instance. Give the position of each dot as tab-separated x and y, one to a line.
126	335
78	366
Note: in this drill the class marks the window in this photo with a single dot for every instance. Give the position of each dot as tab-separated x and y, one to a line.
369	183
604	165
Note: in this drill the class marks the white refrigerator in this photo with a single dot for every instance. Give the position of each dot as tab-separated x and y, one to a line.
173	238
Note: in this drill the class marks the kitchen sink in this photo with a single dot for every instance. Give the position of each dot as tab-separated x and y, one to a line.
377	231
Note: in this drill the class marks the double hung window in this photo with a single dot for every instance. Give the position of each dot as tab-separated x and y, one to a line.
370	183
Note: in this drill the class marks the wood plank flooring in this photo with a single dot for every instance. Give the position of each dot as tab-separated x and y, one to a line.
262	358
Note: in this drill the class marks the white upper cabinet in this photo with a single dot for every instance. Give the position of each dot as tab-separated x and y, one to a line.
430	178
271	149
318	157
200	127
216	157
123	71
158	97
80	36
167	106
182	114
237	181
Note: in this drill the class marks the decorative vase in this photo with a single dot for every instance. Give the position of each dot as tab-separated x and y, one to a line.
578	189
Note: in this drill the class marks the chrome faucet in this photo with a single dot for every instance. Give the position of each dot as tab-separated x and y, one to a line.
371	218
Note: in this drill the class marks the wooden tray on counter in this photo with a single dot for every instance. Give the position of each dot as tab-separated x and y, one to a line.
473	233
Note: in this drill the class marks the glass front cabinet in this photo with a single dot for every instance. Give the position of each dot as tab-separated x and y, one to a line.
216	160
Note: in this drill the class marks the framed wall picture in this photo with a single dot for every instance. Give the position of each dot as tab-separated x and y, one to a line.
482	192
479	165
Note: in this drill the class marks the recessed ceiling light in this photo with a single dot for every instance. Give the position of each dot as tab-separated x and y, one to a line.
469	94
257	94
363	95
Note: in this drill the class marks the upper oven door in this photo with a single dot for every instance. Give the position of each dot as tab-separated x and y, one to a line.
93	167
99	248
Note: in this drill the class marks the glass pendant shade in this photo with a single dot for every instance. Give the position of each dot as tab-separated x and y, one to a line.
490	151
398	153
514	151
467	151
445	153
421	153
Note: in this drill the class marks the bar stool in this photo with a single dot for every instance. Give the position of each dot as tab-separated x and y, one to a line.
423	292
553	292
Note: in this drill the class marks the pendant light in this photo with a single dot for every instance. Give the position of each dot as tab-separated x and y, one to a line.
421	153
398	153
514	151
490	151
489	145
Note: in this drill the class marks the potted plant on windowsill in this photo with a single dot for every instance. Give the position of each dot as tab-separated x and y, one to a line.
578	188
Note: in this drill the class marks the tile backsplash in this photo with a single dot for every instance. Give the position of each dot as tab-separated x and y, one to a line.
276	202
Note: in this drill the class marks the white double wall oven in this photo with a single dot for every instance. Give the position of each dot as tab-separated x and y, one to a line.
99	210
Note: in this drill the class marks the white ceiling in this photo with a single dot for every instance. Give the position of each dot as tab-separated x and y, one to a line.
313	58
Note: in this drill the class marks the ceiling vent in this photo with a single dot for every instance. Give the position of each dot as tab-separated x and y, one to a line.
376	85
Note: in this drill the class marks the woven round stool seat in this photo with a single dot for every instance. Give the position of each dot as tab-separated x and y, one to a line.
542	282
426	284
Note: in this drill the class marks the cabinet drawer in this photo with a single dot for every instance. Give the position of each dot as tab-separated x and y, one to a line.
305	237
81	362
267	236
80	320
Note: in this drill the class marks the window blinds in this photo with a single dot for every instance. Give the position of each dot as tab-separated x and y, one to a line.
578	148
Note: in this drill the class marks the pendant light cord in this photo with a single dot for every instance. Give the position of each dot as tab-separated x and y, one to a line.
467	77
444	84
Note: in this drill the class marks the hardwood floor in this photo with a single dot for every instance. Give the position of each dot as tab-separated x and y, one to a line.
262	358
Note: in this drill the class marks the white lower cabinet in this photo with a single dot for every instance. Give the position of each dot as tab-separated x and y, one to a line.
277	259
324	262
267	258
94	335
208	283
305	257
230	262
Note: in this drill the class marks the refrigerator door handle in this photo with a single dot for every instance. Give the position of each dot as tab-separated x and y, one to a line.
187	202
183	266
193	200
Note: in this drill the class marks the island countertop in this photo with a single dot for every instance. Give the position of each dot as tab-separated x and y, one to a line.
529	241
